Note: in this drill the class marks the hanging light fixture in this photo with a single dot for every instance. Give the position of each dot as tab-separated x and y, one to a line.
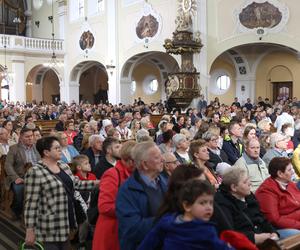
53	63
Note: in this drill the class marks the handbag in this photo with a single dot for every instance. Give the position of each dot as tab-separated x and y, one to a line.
80	214
37	246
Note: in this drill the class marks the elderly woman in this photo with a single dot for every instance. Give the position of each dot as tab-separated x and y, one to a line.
167	145
240	207
278	144
106	232
68	151
200	155
216	155
50	197
279	197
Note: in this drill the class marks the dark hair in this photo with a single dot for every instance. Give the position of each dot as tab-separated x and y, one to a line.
247	131
179	176
5	123
194	147
278	164
231	125
45	143
27	117
25	130
108	142
167	136
192	189
285	126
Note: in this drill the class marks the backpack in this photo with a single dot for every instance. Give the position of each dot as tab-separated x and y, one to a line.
92	212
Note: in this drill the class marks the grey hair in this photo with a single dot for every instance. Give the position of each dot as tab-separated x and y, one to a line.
232	176
141	133
208	135
93	138
140	152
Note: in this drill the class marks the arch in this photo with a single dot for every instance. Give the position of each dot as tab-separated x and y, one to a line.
160	62
43	84
90	75
284	42
280	73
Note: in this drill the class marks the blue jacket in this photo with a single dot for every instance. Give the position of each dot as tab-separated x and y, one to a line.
232	151
73	152
133	211
192	235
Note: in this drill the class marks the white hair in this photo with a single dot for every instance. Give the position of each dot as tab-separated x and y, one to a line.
93	138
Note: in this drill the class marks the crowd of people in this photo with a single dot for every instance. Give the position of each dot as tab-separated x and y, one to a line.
216	176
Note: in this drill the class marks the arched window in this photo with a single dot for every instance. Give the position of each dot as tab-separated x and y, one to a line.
133	87
153	86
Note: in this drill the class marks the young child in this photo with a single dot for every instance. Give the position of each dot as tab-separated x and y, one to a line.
189	229
82	168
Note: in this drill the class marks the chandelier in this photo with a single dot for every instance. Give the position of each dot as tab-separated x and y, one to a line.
53	63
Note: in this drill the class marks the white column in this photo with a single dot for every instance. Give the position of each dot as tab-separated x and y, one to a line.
126	97
73	90
112	52
245	87
28	14
62	15
17	88
200	60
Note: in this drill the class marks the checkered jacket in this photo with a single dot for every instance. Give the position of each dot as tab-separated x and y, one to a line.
46	203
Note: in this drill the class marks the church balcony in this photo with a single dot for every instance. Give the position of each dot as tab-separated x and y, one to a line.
29	45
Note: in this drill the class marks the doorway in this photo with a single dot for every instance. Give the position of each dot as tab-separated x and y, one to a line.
282	90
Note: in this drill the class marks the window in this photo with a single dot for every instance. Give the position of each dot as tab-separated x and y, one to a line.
81	8
153	86
133	87
223	82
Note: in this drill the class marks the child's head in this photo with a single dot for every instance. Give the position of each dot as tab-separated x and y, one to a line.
81	163
196	199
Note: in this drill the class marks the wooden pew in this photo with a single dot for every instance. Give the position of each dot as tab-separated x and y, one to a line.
46	126
155	119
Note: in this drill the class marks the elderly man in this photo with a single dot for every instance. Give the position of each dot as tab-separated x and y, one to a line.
170	163
19	155
233	146
253	164
140	196
95	150
278	143
106	125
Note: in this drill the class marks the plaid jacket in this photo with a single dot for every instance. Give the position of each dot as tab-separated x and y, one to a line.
46	203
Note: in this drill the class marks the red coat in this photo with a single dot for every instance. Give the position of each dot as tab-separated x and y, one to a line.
106	231
281	207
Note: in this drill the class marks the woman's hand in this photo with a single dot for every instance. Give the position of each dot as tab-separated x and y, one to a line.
260	238
30	237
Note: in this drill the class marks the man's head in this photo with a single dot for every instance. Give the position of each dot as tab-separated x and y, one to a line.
26	137
107	124
111	147
235	129
279	141
170	162
252	148
216	118
147	159
3	135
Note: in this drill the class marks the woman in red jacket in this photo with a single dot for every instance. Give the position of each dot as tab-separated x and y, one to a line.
106	231
279	197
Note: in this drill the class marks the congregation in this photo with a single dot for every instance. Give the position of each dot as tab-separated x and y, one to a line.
216	176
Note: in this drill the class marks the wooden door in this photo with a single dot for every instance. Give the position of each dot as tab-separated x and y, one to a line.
282	90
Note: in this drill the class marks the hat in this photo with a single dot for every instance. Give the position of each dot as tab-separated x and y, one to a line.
276	137
106	122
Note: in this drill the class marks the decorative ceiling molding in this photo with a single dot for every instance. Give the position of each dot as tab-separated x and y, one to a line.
261	17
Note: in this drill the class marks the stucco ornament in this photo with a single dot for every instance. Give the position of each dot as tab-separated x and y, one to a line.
148	25
261	16
186	9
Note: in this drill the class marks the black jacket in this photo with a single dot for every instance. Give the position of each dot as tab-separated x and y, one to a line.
214	159
244	217
232	151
